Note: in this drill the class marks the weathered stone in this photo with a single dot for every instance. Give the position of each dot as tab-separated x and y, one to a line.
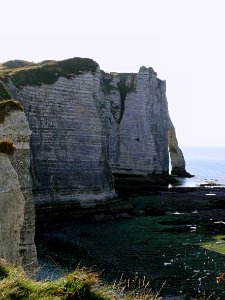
16	128
69	161
135	114
87	123
12	205
176	155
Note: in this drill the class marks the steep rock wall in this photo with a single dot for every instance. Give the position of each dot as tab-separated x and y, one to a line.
16	179
69	163
136	118
12	204
87	123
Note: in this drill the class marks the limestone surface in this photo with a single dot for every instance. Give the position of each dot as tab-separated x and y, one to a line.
69	162
87	124
136	118
12	205
19	186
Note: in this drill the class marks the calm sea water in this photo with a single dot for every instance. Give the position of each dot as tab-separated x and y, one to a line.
206	163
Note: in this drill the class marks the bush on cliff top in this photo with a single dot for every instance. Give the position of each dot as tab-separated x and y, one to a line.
7	106
48	72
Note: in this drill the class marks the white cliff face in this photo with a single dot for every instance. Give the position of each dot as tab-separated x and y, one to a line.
143	128
16	177
68	144
87	124
136	121
12	205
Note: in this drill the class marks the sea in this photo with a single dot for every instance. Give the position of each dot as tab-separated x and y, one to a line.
207	164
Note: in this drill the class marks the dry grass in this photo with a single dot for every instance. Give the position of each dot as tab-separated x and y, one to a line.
81	284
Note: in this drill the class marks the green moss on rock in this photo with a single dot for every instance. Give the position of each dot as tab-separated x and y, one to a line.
4	95
17	63
48	73
125	86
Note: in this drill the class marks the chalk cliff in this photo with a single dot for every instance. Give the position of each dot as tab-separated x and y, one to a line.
17	208
136	123
87	124
69	162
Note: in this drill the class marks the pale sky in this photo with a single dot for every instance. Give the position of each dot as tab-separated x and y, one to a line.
183	40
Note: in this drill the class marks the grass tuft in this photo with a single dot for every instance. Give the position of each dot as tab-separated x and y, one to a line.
81	284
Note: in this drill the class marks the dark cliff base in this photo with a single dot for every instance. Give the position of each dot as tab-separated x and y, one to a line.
128	185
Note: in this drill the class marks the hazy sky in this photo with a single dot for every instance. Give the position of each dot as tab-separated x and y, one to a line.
183	40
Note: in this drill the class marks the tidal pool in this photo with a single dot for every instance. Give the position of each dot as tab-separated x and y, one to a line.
181	252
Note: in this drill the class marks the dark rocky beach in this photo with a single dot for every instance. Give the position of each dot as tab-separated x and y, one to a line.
173	237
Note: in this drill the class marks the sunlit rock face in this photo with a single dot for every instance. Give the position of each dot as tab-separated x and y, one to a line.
135	113
17	219
87	124
69	161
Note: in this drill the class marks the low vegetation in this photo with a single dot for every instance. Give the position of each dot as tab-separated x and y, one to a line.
4	95
81	284
47	72
7	106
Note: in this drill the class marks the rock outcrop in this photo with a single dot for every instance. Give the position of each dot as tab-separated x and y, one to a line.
136	121
17	208
176	155
69	162
12	205
87	124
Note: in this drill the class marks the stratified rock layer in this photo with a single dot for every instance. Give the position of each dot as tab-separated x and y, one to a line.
69	162
136	123
87	124
18	216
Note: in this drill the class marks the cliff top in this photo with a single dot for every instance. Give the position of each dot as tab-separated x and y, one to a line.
23	73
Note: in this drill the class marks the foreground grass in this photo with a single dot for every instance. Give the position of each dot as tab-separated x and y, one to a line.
80	284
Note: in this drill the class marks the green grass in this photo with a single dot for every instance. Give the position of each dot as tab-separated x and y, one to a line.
80	284
14	284
217	244
48	72
17	63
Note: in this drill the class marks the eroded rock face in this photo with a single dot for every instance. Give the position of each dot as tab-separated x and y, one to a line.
87	124
135	113
176	155
69	162
16	179
12	205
